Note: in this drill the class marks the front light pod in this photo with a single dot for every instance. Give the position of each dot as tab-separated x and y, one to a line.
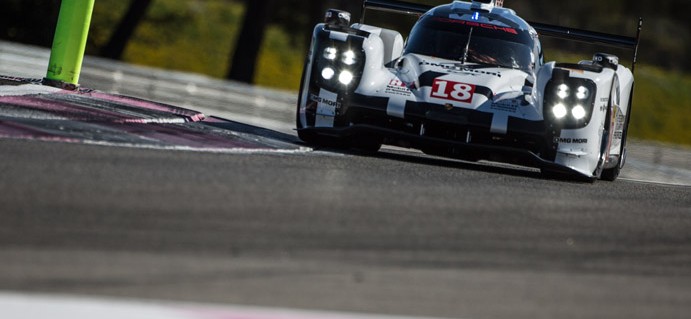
571	101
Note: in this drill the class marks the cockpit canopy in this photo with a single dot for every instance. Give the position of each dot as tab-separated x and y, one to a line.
472	42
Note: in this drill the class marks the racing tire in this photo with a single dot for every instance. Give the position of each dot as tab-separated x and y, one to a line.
366	144
611	174
309	138
608	174
435	151
298	124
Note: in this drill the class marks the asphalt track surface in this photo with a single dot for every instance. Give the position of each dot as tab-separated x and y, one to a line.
393	233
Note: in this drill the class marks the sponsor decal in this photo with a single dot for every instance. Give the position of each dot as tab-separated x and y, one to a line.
613	119
327	102
458	68
454	91
620	120
568	140
478	25
398	87
510	106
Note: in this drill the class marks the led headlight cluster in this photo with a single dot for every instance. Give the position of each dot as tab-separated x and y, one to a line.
578	112
570	101
339	67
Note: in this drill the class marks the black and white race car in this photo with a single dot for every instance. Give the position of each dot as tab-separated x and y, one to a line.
470	83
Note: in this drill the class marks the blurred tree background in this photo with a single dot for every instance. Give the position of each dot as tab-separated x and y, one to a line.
265	41
203	35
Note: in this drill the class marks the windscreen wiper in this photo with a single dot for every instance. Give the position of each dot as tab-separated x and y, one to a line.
467	46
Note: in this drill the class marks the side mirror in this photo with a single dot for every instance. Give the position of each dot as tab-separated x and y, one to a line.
337	18
606	60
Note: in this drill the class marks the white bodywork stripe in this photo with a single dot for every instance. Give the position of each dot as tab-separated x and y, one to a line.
368	28
338	36
500	123
32	306
396	106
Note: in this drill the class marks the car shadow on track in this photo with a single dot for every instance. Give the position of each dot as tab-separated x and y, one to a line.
416	157
397	154
279	138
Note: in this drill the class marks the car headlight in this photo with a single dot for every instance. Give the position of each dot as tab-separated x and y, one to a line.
328	73
338	66
563	91
559	111
582	93
330	53
349	57
346	77
569	102
578	112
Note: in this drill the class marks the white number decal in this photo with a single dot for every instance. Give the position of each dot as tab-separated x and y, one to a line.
455	91
439	89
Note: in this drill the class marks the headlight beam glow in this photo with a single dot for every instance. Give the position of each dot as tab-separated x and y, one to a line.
559	111
349	57
563	91
346	77
582	93
328	73
330	53
578	112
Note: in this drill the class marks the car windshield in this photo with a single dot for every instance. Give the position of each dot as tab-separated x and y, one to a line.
489	44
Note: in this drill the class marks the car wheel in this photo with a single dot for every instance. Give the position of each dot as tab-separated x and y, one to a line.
611	174
367	144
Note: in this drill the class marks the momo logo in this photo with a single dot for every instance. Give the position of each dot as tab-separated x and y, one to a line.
454	91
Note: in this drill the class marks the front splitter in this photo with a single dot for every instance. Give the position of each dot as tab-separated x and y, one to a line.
482	151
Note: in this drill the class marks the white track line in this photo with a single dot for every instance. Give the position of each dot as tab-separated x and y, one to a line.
40	306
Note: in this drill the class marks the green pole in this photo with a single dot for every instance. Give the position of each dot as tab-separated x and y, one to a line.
69	43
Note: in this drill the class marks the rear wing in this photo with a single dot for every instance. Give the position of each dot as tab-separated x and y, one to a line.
613	40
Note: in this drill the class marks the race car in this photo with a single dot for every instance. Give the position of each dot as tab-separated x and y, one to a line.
470	82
